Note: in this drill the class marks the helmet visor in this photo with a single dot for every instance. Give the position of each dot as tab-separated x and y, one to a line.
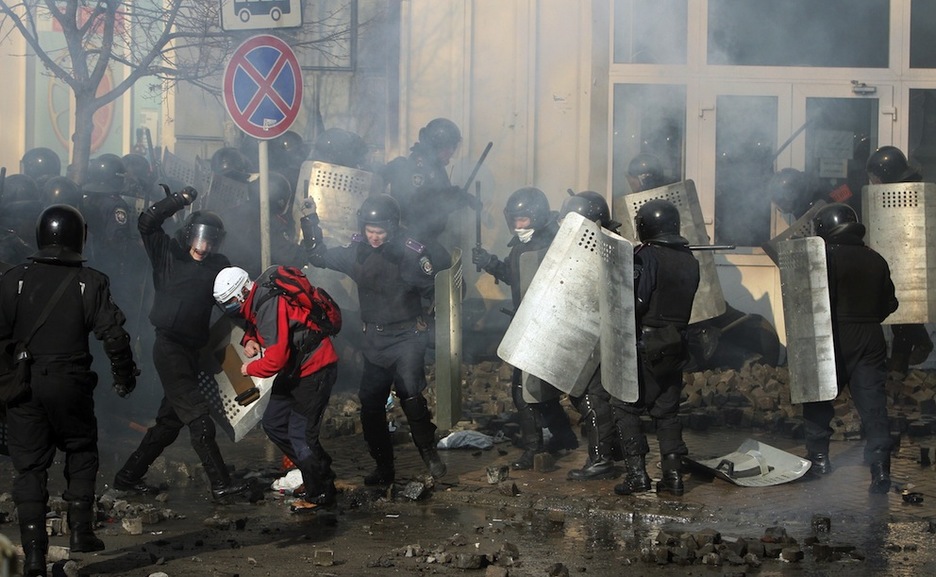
205	238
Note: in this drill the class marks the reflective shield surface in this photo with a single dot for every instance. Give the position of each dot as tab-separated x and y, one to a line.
709	300
802	227
337	193
901	222
804	287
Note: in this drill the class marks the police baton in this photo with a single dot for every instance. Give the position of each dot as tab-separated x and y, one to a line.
477	167
711	247
478	218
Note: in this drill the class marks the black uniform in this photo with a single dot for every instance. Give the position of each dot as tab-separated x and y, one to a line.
552	414
862	296
392	281
181	314
421	185
59	411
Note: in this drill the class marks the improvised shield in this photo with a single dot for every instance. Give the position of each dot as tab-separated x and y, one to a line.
754	464
803	226
222	383
557	326
709	300
337	193
448	345
901	222
807	316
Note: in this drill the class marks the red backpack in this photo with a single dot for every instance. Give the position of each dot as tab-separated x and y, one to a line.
323	315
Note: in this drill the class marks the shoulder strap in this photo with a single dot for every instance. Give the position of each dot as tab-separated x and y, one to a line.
51	304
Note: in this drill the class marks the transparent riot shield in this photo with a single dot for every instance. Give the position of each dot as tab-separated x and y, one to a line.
803	226
555	331
709	300
237	402
901	222
448	342
807	314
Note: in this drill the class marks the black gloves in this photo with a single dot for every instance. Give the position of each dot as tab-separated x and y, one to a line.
311	231
124	378
482	258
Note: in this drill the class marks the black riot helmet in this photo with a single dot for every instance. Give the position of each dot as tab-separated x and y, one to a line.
203	230
41	164
440	133
62	190
230	162
20	188
341	147
105	175
592	206
287	150
60	234
280	192
657	219
527	202
835	219
888	165
138	170
379	210
789	189
645	172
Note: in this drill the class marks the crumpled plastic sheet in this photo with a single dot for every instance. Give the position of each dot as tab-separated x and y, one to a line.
466	440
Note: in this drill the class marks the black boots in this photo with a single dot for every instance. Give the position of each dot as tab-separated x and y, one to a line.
600	433
531	438
35	543
81	526
821	463
202	431
671	482
423	431
130	477
380	446
880	477
636	479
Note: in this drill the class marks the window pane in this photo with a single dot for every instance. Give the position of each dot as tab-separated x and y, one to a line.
839	138
650	32
922	29
648	119
745	137
830	33
922	119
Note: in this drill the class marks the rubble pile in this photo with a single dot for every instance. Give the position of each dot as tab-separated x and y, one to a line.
754	397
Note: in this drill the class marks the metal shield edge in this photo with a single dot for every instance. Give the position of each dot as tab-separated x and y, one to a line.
807	315
448	342
618	325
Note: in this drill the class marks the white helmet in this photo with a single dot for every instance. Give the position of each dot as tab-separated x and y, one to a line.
230	283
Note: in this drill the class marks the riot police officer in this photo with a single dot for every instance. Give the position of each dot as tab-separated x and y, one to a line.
421	184
911	344
645	171
534	226
21	204
666	276
594	404
184	270
286	155
63	190
245	218
58	409
341	147
41	164
862	296
393	273
139	177
231	163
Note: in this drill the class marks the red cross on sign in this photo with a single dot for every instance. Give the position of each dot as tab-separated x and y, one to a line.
263	87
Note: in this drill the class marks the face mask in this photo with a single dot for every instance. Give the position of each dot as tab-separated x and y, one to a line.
524	234
232	308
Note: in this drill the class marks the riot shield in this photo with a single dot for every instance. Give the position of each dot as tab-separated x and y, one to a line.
901	223
807	316
221	382
224	193
803	226
448	346
618	323
556	328
754	464
709	300
337	193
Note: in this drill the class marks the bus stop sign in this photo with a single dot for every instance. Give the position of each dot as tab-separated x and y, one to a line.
263	87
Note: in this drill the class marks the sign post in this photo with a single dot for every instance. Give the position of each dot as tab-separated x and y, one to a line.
263	96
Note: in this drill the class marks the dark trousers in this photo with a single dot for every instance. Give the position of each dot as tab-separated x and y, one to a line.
293	419
58	414
392	359
660	391
860	357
